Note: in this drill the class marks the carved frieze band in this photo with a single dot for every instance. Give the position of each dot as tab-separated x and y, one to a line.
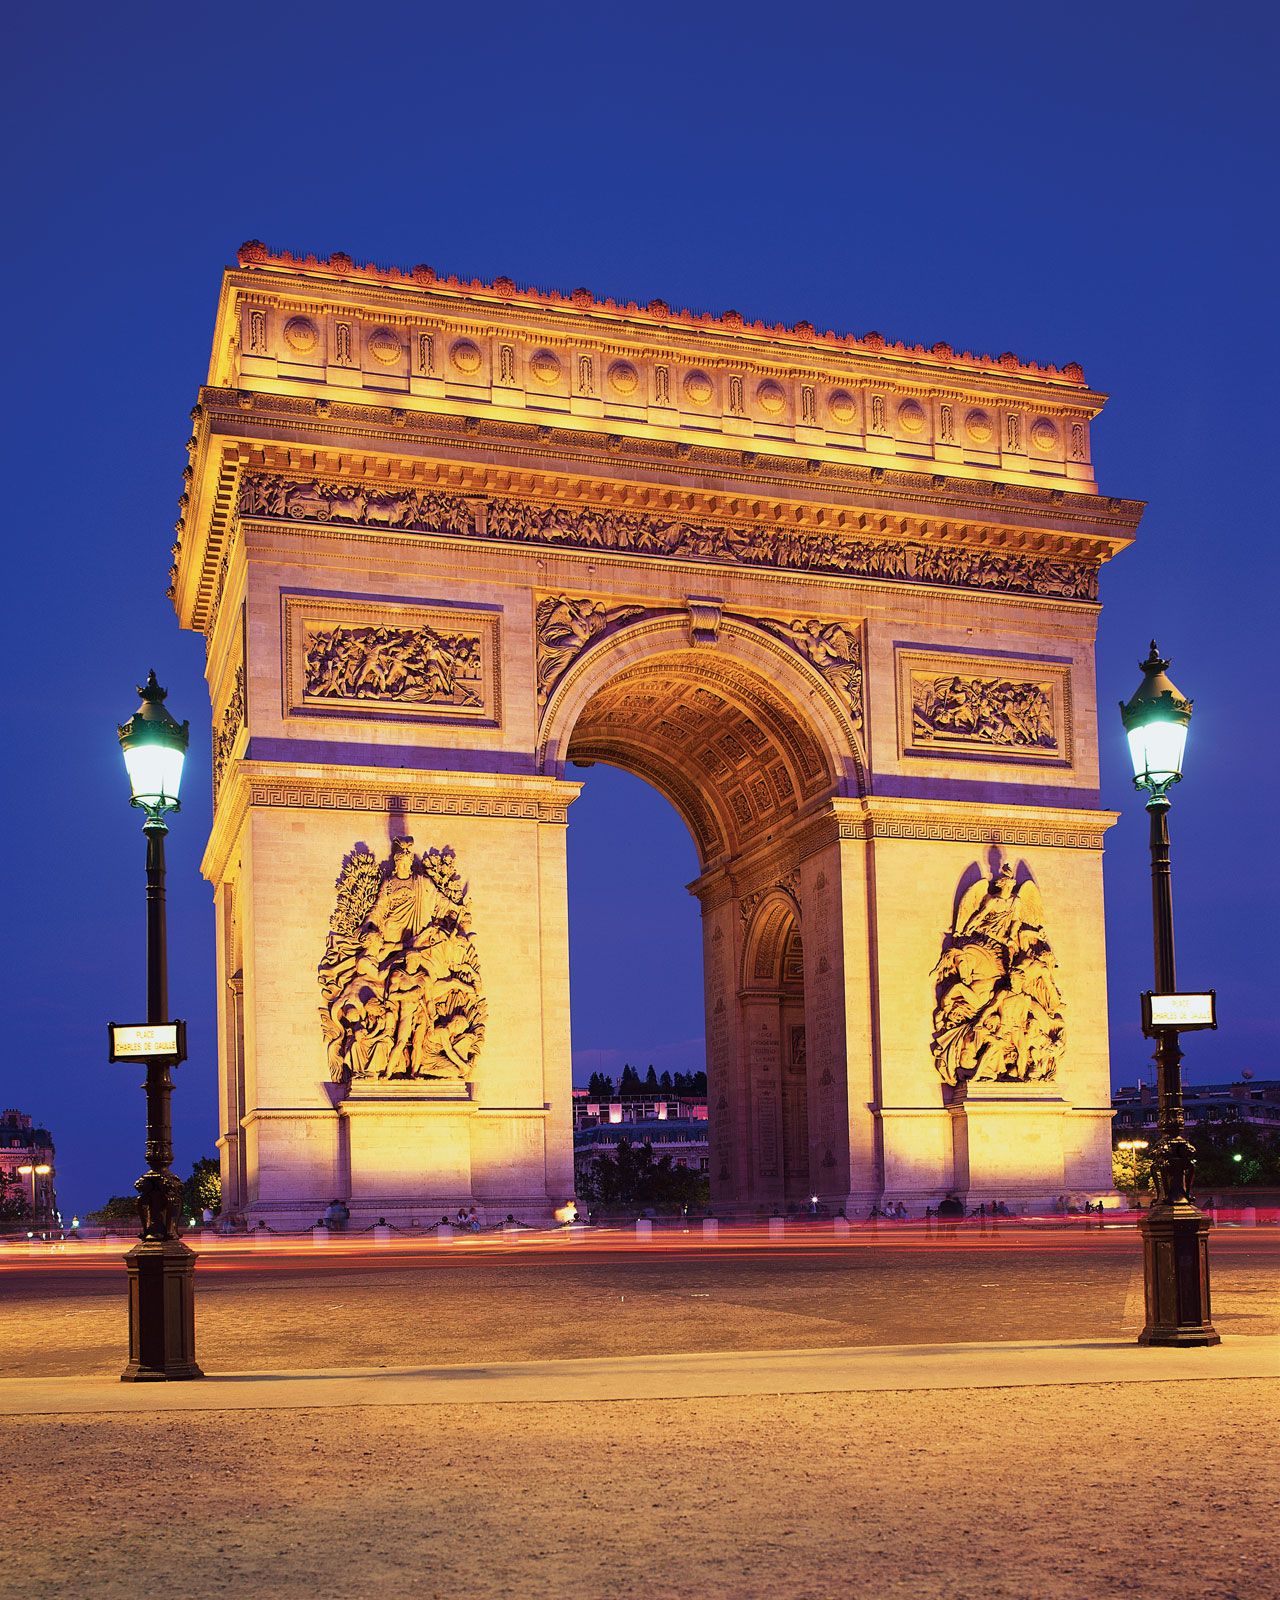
1007	710
409	510
356	658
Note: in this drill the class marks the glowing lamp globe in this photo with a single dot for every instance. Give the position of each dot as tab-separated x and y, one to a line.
154	747
1155	722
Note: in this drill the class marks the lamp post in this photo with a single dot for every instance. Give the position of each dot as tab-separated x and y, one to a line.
162	1331
1175	1232
34	1172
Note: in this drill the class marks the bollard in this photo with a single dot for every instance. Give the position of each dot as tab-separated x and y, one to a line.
381	1234
318	1235
710	1228
644	1229
777	1227
261	1237
444	1233
840	1226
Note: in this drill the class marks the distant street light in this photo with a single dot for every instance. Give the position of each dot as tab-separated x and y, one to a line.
161	1268
34	1172
1175	1233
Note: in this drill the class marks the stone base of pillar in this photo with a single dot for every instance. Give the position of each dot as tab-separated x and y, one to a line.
162	1312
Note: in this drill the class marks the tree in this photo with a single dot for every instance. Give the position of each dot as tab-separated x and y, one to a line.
664	1081
600	1086
203	1189
631	1084
634	1179
14	1205
1131	1170
120	1208
651	1081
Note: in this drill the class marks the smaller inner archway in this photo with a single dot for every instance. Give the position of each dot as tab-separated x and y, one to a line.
776	1094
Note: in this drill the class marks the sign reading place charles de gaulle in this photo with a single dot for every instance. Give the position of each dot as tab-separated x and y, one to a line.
147	1041
1185	1012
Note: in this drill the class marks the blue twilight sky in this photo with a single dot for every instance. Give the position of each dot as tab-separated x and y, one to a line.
1091	182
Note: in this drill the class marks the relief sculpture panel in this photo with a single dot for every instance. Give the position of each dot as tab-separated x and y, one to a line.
958	705
997	1010
400	976
345	657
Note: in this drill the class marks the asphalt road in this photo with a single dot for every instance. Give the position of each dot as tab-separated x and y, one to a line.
426	1304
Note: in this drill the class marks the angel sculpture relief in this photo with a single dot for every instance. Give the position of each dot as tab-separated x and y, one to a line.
400	977
997	1010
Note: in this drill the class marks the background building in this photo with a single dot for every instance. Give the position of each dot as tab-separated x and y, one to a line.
673	1125
1252	1102
22	1145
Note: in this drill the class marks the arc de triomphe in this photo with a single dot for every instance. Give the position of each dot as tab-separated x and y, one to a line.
834	597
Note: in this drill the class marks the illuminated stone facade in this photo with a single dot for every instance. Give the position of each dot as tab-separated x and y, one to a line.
834	597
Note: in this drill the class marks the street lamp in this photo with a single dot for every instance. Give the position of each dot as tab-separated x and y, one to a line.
1175	1233
162	1329
34	1172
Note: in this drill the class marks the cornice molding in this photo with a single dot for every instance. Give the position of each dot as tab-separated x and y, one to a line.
251	784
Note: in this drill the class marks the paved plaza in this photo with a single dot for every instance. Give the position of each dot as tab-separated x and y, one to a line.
895	1414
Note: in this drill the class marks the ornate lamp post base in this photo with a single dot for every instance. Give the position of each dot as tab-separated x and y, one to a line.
162	1312
1175	1261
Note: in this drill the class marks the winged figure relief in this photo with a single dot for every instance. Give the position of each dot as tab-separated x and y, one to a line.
400	977
997	1008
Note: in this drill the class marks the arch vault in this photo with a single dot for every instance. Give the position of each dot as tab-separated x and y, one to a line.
450	543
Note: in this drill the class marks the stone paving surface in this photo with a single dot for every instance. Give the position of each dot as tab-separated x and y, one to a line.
1067	1491
1157	1491
446	1305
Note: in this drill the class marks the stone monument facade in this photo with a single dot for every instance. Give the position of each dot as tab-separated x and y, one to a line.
449	542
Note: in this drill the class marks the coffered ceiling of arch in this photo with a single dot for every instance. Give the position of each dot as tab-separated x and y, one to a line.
714	739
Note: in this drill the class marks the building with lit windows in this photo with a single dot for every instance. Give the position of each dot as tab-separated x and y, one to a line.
23	1145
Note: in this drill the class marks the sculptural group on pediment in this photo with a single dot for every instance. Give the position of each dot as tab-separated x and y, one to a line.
417	665
400	976
997	1010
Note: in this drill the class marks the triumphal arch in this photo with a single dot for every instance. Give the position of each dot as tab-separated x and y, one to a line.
450	543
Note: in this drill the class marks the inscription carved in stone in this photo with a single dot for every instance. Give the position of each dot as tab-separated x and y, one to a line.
565	625
417	665
982	711
906	560
997	1010
400	977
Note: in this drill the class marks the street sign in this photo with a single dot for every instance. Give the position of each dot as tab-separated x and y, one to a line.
147	1041
1182	1012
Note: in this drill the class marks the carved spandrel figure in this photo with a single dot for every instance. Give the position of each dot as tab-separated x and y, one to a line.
400	977
997	1010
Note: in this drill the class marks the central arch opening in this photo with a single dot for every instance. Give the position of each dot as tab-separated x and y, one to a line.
739	755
